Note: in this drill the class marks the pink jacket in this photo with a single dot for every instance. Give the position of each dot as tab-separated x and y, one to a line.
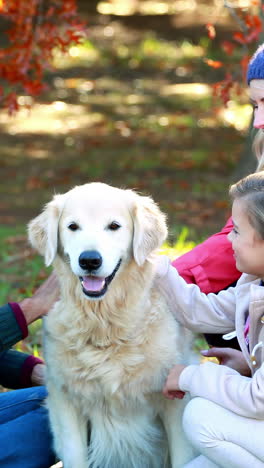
221	313
211	264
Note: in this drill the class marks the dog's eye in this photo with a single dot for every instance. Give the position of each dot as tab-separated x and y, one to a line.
73	227
114	226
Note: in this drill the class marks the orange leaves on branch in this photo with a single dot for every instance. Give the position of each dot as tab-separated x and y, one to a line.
11	102
213	63
228	47
239	37
222	89
250	27
38	27
210	30
253	26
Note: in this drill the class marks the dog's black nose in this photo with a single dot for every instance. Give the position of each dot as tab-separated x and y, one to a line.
90	260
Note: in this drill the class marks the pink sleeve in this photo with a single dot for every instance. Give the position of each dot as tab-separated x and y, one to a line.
210	265
226	387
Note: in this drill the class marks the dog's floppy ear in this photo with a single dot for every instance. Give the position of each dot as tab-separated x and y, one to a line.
43	230
150	228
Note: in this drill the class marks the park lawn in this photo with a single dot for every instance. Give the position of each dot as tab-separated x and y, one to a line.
132	107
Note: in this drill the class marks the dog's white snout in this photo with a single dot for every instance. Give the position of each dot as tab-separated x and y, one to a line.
90	260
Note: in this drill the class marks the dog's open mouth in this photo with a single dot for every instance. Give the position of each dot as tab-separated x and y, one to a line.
96	286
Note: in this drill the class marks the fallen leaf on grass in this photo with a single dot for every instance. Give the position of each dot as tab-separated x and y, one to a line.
34	183
16	239
222	204
27	253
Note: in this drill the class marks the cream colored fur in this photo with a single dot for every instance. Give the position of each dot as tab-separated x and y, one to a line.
108	358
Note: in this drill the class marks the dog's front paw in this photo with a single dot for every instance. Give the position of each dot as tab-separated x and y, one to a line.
76	463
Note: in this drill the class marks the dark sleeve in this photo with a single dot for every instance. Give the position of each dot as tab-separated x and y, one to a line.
13	327
16	369
211	264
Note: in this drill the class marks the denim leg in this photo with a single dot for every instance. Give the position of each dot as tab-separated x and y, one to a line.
25	438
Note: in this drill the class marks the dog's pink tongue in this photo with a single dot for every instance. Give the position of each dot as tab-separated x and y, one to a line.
93	283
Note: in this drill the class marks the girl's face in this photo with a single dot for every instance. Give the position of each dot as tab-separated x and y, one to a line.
246	242
256	93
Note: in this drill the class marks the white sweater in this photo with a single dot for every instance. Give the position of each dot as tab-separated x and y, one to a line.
221	313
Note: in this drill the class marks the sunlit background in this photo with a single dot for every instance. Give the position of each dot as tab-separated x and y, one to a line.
132	106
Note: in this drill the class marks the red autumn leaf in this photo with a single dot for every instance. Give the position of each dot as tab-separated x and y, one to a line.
222	204
223	88
213	63
29	52
11	103
253	21
228	47
34	87
253	36
210	30
34	183
184	185
239	37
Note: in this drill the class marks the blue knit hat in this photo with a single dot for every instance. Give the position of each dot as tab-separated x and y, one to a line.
256	65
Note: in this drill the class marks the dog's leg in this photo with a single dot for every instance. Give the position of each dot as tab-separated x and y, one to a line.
179	448
69	430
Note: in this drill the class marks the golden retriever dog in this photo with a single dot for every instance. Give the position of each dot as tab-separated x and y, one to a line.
110	341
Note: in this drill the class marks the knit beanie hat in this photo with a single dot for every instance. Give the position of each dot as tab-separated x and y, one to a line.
256	65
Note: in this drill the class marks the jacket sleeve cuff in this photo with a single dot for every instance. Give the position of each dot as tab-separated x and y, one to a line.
186	377
20	318
26	371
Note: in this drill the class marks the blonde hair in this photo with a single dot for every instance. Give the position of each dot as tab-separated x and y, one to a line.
250	189
258	147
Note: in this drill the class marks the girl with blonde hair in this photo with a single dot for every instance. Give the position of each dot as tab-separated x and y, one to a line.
211	264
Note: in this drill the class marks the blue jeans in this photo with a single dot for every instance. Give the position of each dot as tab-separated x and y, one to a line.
25	438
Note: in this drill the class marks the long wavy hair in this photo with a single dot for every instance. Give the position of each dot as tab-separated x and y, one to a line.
258	148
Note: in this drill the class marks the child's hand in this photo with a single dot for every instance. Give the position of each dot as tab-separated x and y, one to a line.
171	388
229	357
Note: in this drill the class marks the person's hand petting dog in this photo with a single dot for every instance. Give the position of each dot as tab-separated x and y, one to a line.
171	388
35	307
40	303
226	356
